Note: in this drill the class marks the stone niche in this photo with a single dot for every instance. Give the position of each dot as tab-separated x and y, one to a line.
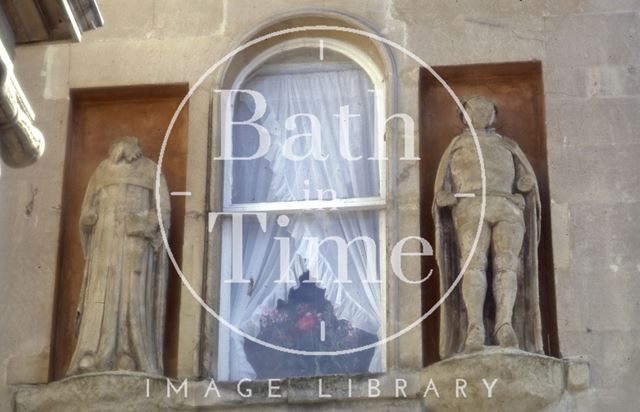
98	117
529	382
518	92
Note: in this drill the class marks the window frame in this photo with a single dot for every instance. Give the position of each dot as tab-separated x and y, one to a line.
376	204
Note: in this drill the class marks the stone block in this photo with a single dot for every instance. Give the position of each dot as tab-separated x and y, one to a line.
201	18
592	40
243	16
43	72
595	6
568	302
28	369
591	122
603	263
138	61
408	180
596	174
617	309
577	374
564	82
468	40
611	250
592	81
613	80
613	363
427	12
123	19
525	381
561	236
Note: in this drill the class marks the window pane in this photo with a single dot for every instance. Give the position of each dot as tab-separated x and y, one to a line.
319	89
292	315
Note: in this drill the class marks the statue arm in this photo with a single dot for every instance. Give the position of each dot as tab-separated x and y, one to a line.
444	196
445	199
88	215
525	180
146	224
165	204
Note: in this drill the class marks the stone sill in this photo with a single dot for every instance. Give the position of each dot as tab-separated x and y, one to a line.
525	382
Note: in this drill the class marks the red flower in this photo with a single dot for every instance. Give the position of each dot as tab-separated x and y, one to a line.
307	321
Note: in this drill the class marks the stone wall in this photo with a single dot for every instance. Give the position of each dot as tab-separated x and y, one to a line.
590	55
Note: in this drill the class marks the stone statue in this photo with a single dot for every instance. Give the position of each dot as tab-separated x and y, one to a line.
121	311
507	250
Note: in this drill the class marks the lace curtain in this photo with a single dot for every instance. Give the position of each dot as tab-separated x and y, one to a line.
274	178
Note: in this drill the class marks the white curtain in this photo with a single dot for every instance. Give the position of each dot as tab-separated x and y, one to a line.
274	178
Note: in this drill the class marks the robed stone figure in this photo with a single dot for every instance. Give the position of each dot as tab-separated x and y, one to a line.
505	258
121	311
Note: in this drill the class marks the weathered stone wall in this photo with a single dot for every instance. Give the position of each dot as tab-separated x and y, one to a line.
591	58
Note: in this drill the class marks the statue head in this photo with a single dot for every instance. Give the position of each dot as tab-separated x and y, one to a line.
126	148
481	110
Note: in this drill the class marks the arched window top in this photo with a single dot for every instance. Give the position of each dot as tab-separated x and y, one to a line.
378	56
309	53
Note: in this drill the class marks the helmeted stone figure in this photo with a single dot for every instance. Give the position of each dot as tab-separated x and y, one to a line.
121	311
507	248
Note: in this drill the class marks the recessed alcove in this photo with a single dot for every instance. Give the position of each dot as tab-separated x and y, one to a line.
518	92
98	117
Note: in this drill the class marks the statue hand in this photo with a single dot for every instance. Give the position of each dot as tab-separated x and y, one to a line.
89	219
445	199
143	225
526	183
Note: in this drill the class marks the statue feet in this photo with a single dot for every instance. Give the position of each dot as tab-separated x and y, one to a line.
475	338
506	336
87	363
125	362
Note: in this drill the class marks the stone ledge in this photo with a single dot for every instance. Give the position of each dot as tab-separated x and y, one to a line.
130	391
526	382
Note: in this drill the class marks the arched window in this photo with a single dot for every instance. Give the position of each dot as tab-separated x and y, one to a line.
313	201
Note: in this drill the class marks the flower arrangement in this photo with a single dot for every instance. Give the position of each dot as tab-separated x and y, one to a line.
296	324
